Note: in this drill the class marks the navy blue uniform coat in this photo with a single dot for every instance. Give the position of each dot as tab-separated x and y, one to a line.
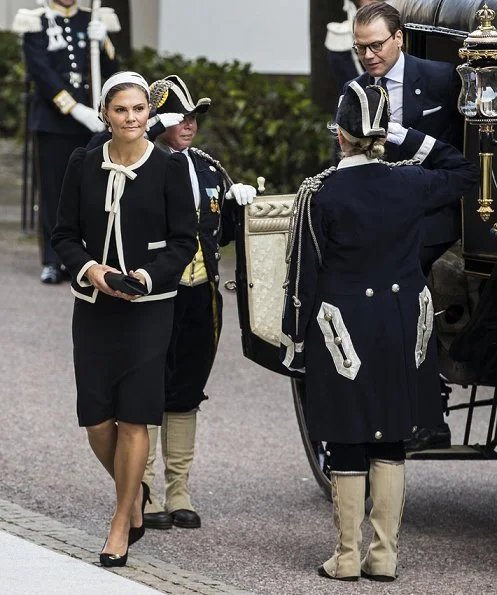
363	330
199	310
52	73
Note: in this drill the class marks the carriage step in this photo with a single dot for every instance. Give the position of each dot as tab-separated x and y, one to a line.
456	451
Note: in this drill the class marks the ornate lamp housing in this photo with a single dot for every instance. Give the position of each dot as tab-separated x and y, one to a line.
478	98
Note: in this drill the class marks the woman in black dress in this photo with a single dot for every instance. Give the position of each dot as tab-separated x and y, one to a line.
358	316
124	208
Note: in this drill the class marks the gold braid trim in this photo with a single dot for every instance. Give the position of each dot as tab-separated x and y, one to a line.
64	101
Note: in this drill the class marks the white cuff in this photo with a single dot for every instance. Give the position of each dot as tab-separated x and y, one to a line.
425	148
148	279
79	279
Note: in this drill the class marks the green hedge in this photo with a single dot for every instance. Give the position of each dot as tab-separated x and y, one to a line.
258	125
12	87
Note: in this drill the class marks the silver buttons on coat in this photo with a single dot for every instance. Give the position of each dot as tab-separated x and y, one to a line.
347	363
395	288
369	292
337	340
378	435
414	429
328	316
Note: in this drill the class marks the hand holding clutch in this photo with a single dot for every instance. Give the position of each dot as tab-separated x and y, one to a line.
125	283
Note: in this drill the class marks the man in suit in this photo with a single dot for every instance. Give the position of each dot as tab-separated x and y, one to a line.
56	41
423	95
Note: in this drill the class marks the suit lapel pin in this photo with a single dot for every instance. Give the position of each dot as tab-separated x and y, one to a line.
417	91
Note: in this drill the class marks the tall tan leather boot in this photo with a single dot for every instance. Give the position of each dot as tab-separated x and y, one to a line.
387	480
154	517
178	446
348	492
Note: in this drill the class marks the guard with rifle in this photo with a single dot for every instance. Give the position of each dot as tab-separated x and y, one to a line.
56	39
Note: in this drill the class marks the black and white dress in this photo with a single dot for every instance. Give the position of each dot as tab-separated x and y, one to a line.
142	218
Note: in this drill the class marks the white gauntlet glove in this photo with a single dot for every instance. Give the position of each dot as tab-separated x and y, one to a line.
242	193
88	117
96	31
170	119
396	133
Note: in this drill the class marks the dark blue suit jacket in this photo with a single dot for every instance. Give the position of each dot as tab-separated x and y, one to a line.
429	85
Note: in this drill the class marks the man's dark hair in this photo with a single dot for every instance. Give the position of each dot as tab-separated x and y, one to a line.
379	10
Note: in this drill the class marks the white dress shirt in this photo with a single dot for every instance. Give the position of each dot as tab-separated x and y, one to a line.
395	87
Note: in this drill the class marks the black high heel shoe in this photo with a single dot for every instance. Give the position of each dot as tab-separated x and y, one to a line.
136	533
113	560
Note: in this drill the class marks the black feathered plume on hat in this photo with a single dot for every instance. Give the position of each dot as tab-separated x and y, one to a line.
364	113
171	95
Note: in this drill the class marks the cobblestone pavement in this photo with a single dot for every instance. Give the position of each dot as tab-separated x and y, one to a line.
46	532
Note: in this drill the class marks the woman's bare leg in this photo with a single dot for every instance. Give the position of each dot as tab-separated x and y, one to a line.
129	466
103	440
123	451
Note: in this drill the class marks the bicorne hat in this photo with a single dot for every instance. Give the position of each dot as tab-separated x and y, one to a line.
171	95
364	113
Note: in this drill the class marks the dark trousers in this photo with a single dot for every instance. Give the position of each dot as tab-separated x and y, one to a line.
356	457
196	329
52	154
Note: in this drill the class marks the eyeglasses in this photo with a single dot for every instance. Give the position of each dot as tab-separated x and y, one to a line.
375	47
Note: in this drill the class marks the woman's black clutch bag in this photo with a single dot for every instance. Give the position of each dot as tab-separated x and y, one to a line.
125	283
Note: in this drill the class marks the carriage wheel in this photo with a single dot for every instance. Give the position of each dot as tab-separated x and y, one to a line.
315	451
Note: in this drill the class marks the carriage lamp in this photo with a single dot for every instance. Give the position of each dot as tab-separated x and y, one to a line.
478	98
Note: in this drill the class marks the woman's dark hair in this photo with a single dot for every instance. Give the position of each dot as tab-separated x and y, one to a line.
122	87
379	10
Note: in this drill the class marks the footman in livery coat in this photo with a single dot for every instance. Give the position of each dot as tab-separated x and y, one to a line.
423	95
358	316
56	43
198	305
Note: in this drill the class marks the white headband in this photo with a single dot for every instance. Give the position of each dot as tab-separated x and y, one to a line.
123	77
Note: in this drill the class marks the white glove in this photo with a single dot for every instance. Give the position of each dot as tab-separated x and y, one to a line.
170	119
88	117
96	31
242	193
396	133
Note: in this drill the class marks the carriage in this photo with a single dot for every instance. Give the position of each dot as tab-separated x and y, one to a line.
434	29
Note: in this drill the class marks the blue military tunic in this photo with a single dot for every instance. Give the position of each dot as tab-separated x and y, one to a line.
57	60
358	317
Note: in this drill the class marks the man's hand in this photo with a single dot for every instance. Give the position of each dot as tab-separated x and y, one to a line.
242	193
96	31
172	119
396	133
88	117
